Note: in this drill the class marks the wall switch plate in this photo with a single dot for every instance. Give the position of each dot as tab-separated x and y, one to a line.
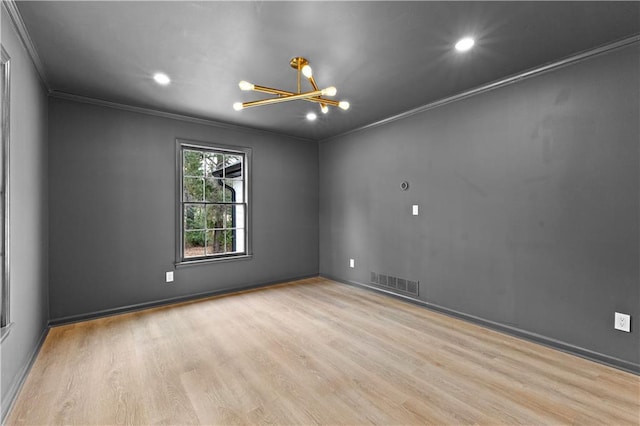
414	210
352	263
622	322
169	277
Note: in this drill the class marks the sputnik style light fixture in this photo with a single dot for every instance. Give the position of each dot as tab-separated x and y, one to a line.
301	65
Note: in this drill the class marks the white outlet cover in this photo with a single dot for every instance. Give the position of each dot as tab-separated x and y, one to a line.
414	210
169	277
352	263
622	322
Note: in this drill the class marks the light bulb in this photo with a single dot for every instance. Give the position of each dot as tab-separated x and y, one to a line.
245	85
465	44
307	71
330	91
324	109
343	105
161	78
311	116
238	106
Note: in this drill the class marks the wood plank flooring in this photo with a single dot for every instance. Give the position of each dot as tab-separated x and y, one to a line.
311	352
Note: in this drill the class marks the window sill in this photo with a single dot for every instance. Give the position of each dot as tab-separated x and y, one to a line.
210	261
4	331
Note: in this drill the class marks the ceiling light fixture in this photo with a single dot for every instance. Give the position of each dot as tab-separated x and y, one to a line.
465	44
301	65
161	78
311	116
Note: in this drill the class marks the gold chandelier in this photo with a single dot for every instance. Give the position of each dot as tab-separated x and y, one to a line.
301	65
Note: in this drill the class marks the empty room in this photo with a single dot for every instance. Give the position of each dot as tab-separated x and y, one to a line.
320	212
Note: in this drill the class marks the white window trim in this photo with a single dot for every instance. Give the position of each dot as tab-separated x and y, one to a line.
5	318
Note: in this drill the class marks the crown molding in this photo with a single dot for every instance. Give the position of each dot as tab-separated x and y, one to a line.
16	19
18	24
498	84
164	114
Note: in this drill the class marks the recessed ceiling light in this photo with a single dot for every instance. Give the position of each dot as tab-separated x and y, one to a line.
465	44
311	116
161	78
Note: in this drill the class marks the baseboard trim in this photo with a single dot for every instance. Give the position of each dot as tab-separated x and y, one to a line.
598	357
170	301
10	396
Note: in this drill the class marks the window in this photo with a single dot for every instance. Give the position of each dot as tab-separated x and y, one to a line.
213	208
4	195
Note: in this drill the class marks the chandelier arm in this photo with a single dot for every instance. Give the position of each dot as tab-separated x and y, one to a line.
324	101
272	91
315	87
287	98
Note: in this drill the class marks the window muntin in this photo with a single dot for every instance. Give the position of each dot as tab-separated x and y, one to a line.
213	203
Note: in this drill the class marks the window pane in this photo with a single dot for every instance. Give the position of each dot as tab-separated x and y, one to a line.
192	189
216	241
233	166
234	191
237	240
194	243
229	216
215	216
236	216
214	165
192	163
214	190
193	216
213	202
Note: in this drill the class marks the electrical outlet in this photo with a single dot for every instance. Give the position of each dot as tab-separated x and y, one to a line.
352	263
622	322
169	277
414	210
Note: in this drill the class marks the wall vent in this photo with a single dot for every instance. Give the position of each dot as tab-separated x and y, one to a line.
392	281
402	284
382	280
396	284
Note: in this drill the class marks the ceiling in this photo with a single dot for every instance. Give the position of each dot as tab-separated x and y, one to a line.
384	57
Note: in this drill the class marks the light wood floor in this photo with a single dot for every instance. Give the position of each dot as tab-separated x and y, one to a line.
311	352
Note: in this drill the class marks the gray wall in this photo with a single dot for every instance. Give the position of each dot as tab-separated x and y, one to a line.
28	215
112	226
529	205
